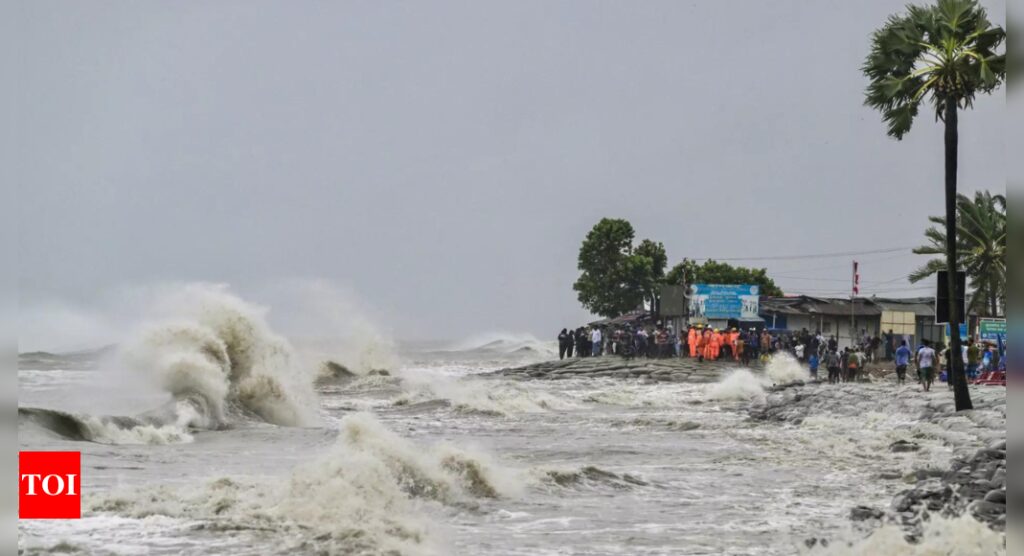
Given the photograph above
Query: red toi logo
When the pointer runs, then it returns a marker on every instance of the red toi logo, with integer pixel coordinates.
(49, 485)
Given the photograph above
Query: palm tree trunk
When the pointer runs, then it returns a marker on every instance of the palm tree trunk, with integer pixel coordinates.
(955, 365)
(993, 296)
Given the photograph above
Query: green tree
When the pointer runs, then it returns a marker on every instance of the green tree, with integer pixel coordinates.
(981, 249)
(615, 277)
(655, 261)
(714, 272)
(947, 53)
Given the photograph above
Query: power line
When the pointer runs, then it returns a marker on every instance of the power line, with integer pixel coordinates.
(846, 265)
(797, 257)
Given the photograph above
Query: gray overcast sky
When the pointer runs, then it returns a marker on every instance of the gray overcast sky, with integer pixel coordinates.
(443, 160)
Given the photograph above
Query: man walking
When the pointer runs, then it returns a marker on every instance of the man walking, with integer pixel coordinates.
(926, 365)
(902, 360)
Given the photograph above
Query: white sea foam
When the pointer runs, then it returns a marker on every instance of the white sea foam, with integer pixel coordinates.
(737, 385)
(106, 432)
(492, 396)
(743, 384)
(784, 368)
(363, 496)
(962, 536)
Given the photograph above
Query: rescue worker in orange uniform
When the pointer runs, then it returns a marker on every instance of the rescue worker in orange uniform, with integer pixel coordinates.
(706, 344)
(691, 341)
(716, 344)
(734, 339)
(740, 348)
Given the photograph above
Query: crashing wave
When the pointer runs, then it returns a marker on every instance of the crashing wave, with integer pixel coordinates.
(744, 385)
(361, 497)
(223, 353)
(109, 429)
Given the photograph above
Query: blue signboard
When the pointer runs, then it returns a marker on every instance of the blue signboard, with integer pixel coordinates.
(963, 331)
(717, 301)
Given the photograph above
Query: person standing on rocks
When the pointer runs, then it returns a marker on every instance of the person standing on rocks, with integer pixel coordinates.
(832, 364)
(926, 365)
(564, 343)
(902, 360)
(595, 342)
(844, 361)
(852, 366)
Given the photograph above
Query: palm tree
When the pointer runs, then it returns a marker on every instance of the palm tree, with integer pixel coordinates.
(946, 53)
(981, 249)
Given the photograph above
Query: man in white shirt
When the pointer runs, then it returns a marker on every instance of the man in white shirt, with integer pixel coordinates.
(595, 340)
(926, 365)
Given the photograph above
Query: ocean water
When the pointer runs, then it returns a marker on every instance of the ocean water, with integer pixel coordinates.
(211, 434)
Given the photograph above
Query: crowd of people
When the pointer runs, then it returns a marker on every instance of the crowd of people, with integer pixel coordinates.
(849, 364)
(700, 342)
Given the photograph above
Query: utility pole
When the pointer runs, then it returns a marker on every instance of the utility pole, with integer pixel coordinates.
(854, 290)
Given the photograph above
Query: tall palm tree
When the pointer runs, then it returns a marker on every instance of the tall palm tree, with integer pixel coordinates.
(981, 249)
(947, 53)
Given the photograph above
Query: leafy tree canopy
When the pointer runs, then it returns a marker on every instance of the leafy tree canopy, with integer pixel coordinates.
(714, 272)
(981, 249)
(946, 52)
(616, 277)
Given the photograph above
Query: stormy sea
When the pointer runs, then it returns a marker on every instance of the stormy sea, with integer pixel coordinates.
(210, 433)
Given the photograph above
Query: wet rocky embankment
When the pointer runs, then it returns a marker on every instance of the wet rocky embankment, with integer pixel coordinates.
(660, 370)
(975, 480)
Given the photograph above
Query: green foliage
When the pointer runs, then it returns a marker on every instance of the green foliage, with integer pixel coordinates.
(981, 249)
(655, 260)
(713, 272)
(615, 277)
(947, 52)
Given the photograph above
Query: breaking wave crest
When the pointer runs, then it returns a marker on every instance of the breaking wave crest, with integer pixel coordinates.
(362, 497)
(107, 429)
(591, 477)
(498, 343)
(220, 354)
(738, 385)
(785, 369)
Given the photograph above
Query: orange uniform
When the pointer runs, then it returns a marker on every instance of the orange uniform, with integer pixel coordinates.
(716, 344)
(706, 344)
(691, 341)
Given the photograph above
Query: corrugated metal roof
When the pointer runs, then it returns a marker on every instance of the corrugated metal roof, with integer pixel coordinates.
(920, 306)
(837, 306)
